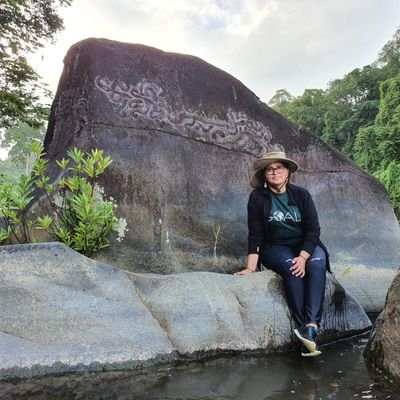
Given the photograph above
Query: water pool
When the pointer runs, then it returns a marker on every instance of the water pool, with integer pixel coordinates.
(339, 373)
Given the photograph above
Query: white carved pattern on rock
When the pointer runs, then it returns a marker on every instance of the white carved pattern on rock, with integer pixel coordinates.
(146, 101)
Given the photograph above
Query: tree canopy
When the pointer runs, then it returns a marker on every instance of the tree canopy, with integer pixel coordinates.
(18, 141)
(25, 26)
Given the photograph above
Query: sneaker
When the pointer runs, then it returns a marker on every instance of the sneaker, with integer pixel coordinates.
(307, 335)
(306, 353)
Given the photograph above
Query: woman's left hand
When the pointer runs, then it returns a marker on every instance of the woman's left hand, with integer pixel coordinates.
(299, 267)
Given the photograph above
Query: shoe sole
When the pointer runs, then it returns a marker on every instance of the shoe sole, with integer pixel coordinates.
(315, 353)
(310, 346)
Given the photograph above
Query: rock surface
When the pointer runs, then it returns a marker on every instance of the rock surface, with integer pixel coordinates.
(383, 349)
(60, 311)
(183, 136)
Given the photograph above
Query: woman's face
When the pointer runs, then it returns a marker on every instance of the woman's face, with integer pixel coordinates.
(276, 174)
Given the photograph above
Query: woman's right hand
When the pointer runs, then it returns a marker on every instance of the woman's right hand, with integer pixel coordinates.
(245, 271)
(251, 265)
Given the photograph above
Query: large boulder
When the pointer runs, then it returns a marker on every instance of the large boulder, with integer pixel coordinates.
(383, 348)
(60, 311)
(183, 135)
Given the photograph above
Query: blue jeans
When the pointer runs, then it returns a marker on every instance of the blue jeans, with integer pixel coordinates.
(305, 295)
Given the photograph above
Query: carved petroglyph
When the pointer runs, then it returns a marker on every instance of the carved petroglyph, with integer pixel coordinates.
(146, 101)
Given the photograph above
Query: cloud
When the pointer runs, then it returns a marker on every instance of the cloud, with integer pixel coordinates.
(267, 44)
(235, 16)
(305, 43)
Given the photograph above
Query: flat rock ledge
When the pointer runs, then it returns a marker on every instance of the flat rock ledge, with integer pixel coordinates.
(383, 349)
(62, 312)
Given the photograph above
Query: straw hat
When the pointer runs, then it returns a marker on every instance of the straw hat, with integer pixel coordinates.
(268, 158)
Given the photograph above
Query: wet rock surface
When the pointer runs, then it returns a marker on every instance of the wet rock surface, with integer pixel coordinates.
(183, 135)
(383, 349)
(60, 312)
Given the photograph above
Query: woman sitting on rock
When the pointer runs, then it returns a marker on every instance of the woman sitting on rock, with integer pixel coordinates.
(284, 236)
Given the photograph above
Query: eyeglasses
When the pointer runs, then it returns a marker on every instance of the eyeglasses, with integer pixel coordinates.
(272, 170)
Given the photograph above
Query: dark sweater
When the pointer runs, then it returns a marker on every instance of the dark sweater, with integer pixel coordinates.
(257, 216)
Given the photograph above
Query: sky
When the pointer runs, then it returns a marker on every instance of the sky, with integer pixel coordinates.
(266, 44)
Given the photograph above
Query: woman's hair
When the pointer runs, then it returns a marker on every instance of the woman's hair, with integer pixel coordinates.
(289, 177)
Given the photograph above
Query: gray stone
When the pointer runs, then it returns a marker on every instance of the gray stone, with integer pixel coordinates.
(60, 311)
(383, 349)
(57, 306)
(183, 135)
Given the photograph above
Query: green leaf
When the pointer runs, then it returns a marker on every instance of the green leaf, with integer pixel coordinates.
(37, 148)
(44, 222)
(75, 183)
(89, 167)
(5, 234)
(76, 155)
(63, 164)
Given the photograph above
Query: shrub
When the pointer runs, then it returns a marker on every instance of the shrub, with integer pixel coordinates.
(80, 216)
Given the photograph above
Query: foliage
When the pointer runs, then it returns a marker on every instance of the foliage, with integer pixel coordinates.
(307, 110)
(389, 57)
(353, 104)
(342, 126)
(7, 167)
(366, 148)
(337, 113)
(15, 196)
(281, 96)
(81, 218)
(18, 140)
(390, 177)
(378, 146)
(25, 25)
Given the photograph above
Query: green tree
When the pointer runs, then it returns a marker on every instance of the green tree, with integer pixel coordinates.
(378, 146)
(280, 97)
(367, 143)
(18, 140)
(341, 126)
(25, 25)
(389, 57)
(390, 177)
(388, 118)
(352, 103)
(307, 110)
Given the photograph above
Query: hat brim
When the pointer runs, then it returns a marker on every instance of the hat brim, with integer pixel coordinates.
(264, 162)
(258, 179)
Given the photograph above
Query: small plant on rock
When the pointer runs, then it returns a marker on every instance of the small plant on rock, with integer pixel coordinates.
(79, 215)
(15, 196)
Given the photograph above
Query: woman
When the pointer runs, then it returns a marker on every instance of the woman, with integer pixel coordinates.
(284, 236)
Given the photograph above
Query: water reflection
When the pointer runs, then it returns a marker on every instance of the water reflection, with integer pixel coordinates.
(340, 373)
